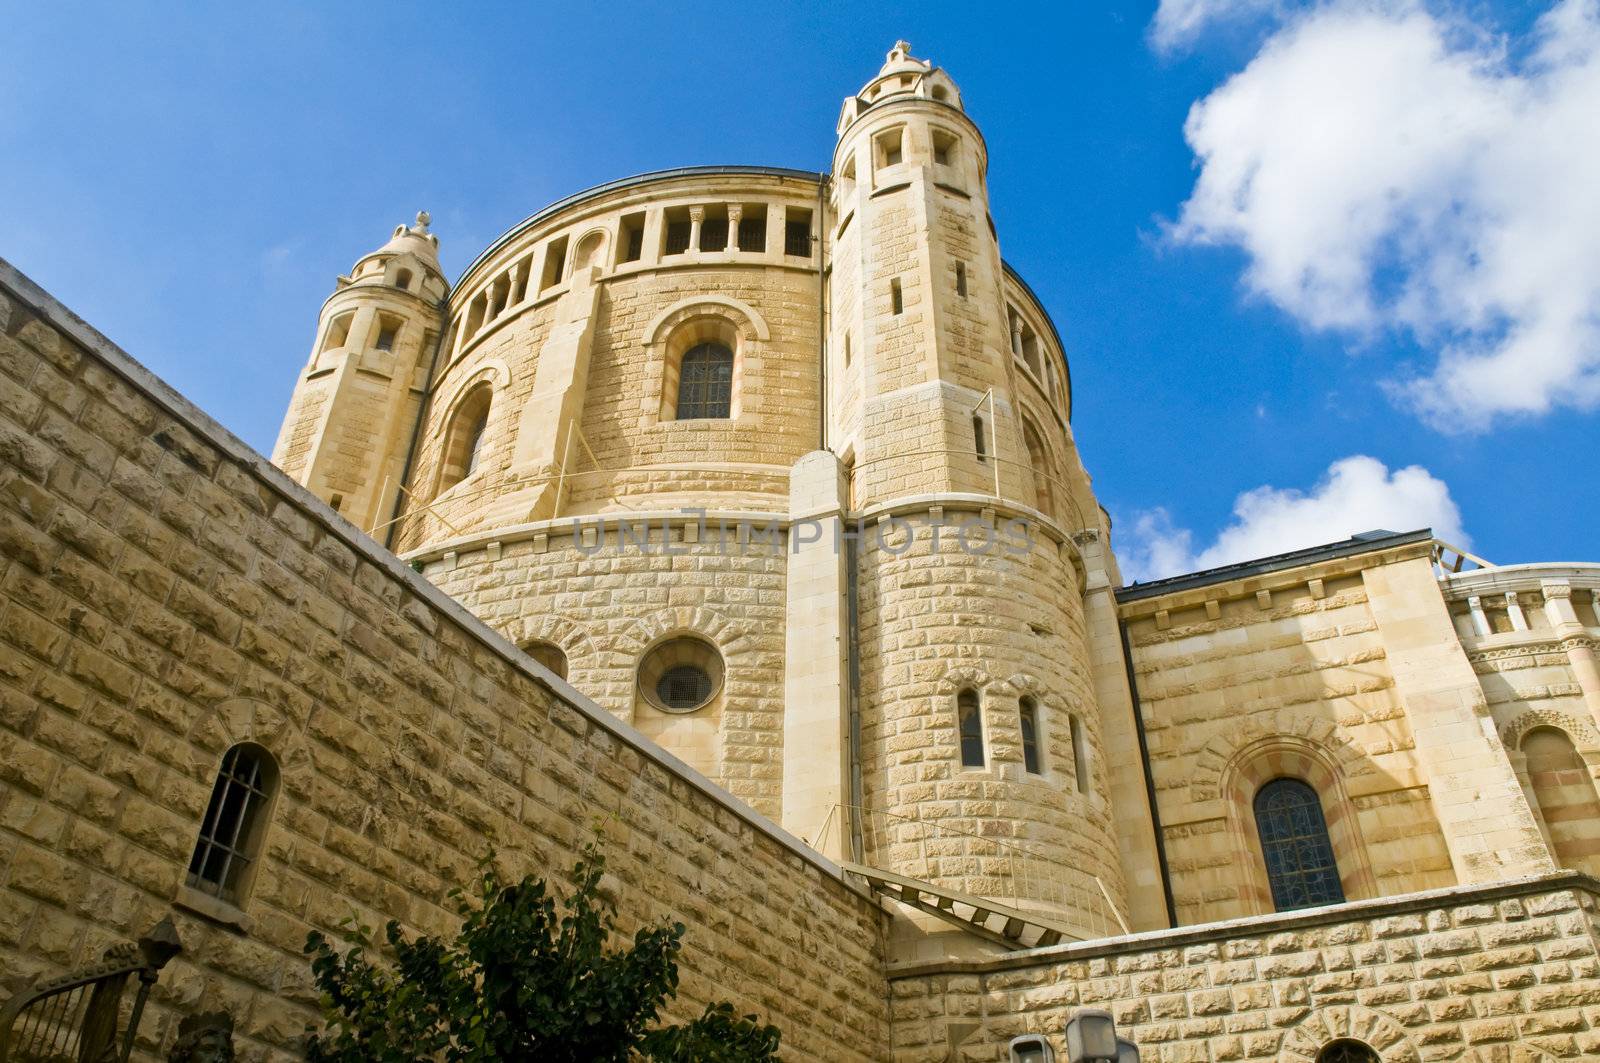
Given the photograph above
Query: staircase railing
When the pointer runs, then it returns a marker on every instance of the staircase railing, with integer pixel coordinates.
(999, 868)
(74, 1018)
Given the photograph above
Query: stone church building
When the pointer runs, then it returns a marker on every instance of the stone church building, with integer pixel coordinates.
(737, 510)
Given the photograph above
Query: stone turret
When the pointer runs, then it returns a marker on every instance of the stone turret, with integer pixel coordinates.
(355, 406)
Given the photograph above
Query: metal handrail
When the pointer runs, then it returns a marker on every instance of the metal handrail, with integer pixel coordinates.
(74, 1017)
(1031, 879)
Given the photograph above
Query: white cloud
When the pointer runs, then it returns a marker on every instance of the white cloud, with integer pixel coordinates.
(1387, 168)
(1178, 22)
(1358, 494)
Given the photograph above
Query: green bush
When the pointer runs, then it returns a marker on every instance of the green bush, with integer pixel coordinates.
(527, 978)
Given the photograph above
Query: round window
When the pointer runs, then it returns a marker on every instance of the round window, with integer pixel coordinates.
(681, 674)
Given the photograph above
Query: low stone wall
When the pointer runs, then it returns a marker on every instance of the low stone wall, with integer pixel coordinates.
(165, 593)
(1508, 972)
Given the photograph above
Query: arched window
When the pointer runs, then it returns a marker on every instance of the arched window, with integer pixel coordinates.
(969, 725)
(403, 279)
(1347, 1050)
(1028, 722)
(463, 441)
(235, 823)
(1039, 459)
(1565, 794)
(548, 654)
(705, 383)
(979, 444)
(1294, 842)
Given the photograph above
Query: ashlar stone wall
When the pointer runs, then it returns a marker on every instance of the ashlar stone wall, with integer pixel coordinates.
(165, 593)
(1501, 973)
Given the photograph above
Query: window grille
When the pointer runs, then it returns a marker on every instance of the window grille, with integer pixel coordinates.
(753, 235)
(797, 238)
(1347, 1050)
(683, 686)
(1029, 712)
(1295, 844)
(714, 234)
(969, 722)
(705, 383)
(230, 834)
(677, 237)
(635, 245)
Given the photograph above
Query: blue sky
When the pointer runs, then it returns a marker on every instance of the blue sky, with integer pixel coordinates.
(192, 180)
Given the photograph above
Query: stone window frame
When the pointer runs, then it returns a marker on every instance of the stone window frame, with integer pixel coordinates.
(1044, 494)
(684, 326)
(450, 472)
(1289, 756)
(246, 841)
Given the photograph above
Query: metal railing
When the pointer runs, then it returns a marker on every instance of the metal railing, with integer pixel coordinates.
(991, 866)
(74, 1018)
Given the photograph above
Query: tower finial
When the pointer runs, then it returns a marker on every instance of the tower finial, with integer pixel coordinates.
(423, 218)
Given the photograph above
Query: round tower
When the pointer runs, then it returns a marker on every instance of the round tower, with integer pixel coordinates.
(980, 739)
(347, 433)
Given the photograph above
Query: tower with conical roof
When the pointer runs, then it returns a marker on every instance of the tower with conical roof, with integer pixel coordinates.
(347, 433)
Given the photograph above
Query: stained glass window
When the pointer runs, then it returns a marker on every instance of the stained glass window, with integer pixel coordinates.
(1294, 841)
(705, 382)
(1347, 1050)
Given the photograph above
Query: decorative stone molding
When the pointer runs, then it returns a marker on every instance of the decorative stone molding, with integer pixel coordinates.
(1227, 749)
(244, 720)
(962, 678)
(556, 630)
(744, 317)
(1581, 732)
(1308, 1037)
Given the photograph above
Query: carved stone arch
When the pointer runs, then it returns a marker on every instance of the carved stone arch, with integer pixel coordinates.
(1581, 732)
(743, 315)
(245, 720)
(1317, 757)
(963, 677)
(1318, 1028)
(494, 371)
(703, 319)
(1207, 778)
(731, 640)
(559, 631)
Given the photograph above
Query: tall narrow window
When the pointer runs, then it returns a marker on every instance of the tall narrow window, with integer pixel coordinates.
(463, 440)
(753, 228)
(714, 229)
(847, 349)
(678, 229)
(1028, 713)
(555, 263)
(961, 279)
(797, 232)
(403, 279)
(890, 146)
(338, 332)
(705, 383)
(1080, 753)
(969, 723)
(235, 822)
(980, 445)
(1295, 844)
(632, 242)
(896, 300)
(388, 329)
(1039, 459)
